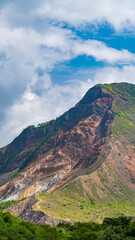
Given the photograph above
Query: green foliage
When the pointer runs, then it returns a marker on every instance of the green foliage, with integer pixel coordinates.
(119, 228)
(31, 127)
(108, 87)
(123, 108)
(13, 228)
(4, 205)
(46, 123)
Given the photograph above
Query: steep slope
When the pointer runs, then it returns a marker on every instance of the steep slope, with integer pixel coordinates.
(108, 188)
(107, 191)
(88, 153)
(59, 150)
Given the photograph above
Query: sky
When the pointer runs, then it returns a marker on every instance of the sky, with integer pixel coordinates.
(53, 51)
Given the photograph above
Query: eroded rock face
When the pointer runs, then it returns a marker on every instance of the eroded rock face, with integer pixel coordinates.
(40, 217)
(51, 155)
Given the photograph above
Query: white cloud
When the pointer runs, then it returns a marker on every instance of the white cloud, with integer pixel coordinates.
(31, 45)
(24, 50)
(101, 52)
(33, 109)
(121, 14)
(115, 74)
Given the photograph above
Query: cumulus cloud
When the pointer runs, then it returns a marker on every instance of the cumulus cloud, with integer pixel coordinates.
(115, 74)
(101, 52)
(22, 53)
(33, 41)
(33, 109)
(24, 50)
(121, 14)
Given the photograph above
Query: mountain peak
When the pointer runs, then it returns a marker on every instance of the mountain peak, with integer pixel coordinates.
(94, 93)
(84, 138)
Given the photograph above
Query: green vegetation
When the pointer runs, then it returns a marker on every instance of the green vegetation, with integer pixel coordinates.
(90, 197)
(13, 228)
(31, 127)
(46, 123)
(75, 203)
(124, 111)
(126, 88)
(4, 205)
(108, 87)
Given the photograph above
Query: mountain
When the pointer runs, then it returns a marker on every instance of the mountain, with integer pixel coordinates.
(87, 156)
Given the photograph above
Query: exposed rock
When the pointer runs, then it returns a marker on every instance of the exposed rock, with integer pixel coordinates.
(39, 217)
(28, 206)
(53, 154)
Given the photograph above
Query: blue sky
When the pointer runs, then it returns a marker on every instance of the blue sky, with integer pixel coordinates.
(53, 51)
(103, 32)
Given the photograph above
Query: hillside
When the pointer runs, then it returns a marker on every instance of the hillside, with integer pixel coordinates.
(106, 189)
(59, 150)
(87, 156)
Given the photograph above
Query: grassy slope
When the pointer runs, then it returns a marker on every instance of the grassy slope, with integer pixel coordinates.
(124, 111)
(104, 192)
(91, 197)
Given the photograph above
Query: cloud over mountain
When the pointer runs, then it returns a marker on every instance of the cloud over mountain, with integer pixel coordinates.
(36, 38)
